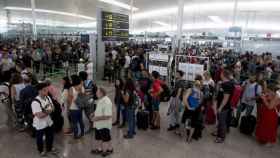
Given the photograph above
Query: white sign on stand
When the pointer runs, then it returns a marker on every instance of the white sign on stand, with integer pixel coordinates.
(191, 70)
(159, 57)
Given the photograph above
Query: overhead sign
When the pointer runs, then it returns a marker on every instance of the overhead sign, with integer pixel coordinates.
(115, 26)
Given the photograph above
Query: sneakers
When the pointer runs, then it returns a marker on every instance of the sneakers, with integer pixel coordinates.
(43, 154)
(53, 151)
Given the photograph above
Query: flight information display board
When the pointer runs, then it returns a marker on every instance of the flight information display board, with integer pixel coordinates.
(115, 26)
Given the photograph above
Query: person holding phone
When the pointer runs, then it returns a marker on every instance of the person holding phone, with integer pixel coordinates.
(42, 107)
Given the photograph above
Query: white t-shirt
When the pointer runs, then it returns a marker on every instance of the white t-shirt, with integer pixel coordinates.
(104, 108)
(209, 82)
(41, 123)
(251, 90)
(127, 61)
(114, 53)
(73, 105)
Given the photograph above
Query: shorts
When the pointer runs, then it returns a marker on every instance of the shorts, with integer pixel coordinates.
(155, 104)
(189, 115)
(103, 135)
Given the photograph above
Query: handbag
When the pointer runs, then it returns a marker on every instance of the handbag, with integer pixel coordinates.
(83, 100)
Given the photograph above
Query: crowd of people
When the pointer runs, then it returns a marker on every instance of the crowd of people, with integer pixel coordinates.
(233, 85)
(43, 55)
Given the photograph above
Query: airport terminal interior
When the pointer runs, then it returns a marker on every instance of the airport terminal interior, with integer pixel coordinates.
(139, 78)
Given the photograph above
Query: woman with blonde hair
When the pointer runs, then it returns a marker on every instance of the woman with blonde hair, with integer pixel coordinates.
(191, 100)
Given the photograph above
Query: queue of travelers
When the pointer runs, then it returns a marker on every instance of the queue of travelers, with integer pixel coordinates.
(240, 91)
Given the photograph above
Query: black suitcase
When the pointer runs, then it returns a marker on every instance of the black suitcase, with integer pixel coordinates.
(248, 124)
(142, 120)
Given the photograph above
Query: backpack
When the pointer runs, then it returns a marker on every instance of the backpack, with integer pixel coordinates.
(4, 98)
(91, 88)
(56, 115)
(235, 98)
(165, 94)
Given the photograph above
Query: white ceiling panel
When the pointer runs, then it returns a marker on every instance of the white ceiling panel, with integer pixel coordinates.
(197, 12)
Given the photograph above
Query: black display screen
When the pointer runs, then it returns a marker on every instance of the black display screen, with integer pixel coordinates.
(115, 26)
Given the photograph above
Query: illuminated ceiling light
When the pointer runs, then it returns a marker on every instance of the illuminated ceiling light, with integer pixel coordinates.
(119, 4)
(155, 13)
(50, 12)
(213, 6)
(216, 19)
(161, 23)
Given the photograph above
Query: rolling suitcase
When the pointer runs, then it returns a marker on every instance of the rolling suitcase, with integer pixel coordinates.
(248, 124)
(142, 120)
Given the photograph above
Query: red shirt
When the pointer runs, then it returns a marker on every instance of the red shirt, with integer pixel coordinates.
(156, 87)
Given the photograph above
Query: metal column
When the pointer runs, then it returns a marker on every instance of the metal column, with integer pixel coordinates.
(33, 6)
(180, 18)
(100, 54)
(234, 12)
(131, 16)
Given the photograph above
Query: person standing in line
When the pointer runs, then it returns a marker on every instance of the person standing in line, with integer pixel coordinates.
(267, 124)
(42, 107)
(102, 119)
(27, 95)
(76, 114)
(155, 91)
(127, 64)
(252, 90)
(223, 105)
(129, 97)
(90, 90)
(17, 86)
(119, 87)
(176, 101)
(65, 91)
(192, 98)
(37, 57)
(145, 84)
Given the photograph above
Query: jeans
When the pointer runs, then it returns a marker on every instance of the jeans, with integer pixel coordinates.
(249, 109)
(136, 75)
(77, 120)
(48, 132)
(223, 123)
(121, 111)
(131, 121)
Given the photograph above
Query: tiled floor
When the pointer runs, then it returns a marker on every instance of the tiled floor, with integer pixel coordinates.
(147, 144)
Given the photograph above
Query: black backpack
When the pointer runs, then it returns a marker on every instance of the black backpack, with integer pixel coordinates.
(165, 94)
(248, 124)
(56, 115)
